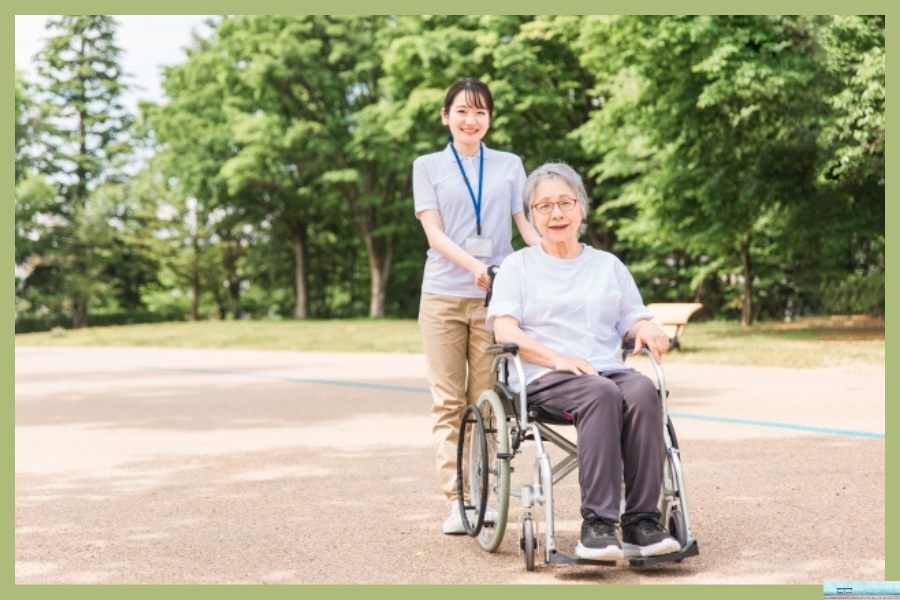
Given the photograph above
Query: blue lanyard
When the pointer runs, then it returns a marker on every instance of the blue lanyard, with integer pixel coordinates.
(476, 202)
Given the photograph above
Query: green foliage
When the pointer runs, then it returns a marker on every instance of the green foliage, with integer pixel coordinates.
(716, 173)
(82, 85)
(26, 126)
(733, 160)
(47, 323)
(858, 293)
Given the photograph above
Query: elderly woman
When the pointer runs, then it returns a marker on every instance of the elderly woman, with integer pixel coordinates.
(568, 306)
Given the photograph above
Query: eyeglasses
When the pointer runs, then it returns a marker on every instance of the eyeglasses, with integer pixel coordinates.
(545, 208)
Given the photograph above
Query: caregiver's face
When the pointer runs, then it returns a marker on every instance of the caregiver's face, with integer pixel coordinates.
(468, 118)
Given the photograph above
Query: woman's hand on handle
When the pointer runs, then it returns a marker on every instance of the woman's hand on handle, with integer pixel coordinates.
(482, 278)
(647, 333)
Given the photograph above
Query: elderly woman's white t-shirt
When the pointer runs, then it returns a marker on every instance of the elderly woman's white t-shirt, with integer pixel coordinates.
(580, 307)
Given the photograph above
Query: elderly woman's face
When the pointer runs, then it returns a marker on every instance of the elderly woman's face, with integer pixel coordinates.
(556, 210)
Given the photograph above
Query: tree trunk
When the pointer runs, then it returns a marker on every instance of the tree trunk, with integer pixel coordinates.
(747, 305)
(234, 294)
(379, 255)
(195, 278)
(221, 308)
(79, 313)
(379, 271)
(231, 254)
(298, 237)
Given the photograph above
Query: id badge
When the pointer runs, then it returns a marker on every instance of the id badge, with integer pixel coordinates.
(479, 247)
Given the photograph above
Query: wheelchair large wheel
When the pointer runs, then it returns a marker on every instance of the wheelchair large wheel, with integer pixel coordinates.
(496, 492)
(472, 470)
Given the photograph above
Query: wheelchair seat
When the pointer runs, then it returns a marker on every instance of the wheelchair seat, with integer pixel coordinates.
(551, 416)
(544, 414)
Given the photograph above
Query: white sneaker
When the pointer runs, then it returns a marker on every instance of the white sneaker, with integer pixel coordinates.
(453, 524)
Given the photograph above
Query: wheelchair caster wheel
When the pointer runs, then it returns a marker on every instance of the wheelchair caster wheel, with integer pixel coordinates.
(528, 543)
(678, 527)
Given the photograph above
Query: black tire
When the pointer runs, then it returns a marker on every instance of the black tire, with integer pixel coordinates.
(528, 543)
(496, 436)
(471, 460)
(672, 435)
(677, 527)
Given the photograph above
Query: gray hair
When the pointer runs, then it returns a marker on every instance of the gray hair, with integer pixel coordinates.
(564, 173)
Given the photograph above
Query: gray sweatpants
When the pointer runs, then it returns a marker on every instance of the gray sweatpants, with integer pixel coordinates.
(618, 418)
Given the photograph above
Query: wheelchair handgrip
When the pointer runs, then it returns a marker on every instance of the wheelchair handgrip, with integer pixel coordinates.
(628, 346)
(503, 348)
(492, 272)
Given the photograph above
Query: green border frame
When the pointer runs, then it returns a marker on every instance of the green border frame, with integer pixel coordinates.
(7, 344)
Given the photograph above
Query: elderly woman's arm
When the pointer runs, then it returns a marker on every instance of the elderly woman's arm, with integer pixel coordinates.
(647, 333)
(507, 331)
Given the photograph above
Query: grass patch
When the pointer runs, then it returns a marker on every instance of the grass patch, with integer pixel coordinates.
(806, 343)
(346, 335)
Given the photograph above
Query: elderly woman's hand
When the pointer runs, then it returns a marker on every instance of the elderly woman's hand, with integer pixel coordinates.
(647, 333)
(578, 366)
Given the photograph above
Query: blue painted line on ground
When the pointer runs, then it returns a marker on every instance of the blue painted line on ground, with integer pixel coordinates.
(272, 377)
(424, 390)
(823, 430)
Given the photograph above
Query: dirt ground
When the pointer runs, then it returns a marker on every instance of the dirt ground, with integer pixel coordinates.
(138, 465)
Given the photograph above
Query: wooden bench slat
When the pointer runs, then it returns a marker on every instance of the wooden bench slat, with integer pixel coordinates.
(673, 316)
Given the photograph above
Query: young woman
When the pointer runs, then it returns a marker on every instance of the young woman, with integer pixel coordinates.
(466, 197)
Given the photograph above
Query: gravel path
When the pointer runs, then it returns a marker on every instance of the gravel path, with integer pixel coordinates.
(138, 465)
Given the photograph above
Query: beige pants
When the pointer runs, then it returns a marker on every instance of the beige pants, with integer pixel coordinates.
(459, 369)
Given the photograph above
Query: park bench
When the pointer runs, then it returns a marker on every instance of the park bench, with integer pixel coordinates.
(672, 317)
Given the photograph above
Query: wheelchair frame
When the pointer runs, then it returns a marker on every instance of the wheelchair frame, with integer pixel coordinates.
(491, 435)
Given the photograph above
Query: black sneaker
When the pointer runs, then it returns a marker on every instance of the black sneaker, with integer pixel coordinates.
(646, 537)
(598, 540)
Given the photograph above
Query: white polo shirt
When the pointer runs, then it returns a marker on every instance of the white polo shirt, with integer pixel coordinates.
(438, 184)
(580, 307)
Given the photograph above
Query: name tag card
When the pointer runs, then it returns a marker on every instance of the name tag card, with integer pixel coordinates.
(479, 247)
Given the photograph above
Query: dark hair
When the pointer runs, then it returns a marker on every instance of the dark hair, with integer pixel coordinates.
(477, 92)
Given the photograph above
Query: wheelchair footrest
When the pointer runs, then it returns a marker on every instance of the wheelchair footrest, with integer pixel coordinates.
(558, 558)
(692, 549)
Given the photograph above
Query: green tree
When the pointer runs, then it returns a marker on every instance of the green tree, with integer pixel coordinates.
(82, 87)
(194, 140)
(852, 177)
(83, 143)
(297, 82)
(729, 109)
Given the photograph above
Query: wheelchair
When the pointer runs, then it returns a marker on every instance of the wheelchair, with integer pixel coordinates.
(493, 432)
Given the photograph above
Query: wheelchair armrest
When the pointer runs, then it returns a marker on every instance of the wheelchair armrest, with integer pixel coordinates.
(503, 349)
(628, 346)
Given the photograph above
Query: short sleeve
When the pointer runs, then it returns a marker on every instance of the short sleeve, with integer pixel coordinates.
(632, 307)
(506, 298)
(517, 202)
(424, 195)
